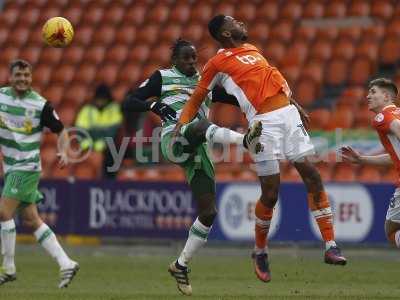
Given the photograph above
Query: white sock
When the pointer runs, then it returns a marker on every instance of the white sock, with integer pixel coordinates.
(8, 236)
(216, 134)
(198, 234)
(397, 238)
(48, 240)
(330, 244)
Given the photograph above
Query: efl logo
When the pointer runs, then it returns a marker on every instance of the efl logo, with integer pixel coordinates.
(352, 208)
(236, 212)
(248, 59)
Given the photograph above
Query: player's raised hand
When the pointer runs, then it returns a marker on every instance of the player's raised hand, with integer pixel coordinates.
(350, 155)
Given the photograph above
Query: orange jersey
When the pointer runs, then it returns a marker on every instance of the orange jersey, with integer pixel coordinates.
(389, 141)
(247, 75)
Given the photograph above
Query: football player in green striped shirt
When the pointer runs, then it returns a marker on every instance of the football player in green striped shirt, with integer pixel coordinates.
(171, 88)
(23, 115)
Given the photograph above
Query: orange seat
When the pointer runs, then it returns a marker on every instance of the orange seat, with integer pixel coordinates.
(344, 48)
(341, 118)
(321, 50)
(297, 53)
(180, 14)
(135, 14)
(76, 94)
(73, 14)
(246, 12)
(50, 56)
(30, 54)
(4, 75)
(107, 74)
(393, 28)
(329, 34)
(158, 14)
(344, 172)
(274, 52)
(47, 13)
(320, 118)
(161, 55)
(259, 32)
(125, 35)
(382, 9)
(64, 74)
(92, 14)
(369, 174)
(147, 35)
(336, 72)
(8, 54)
(85, 73)
(359, 8)
(139, 53)
(314, 69)
(193, 32)
(129, 74)
(67, 115)
(361, 70)
(201, 12)
(41, 75)
(119, 91)
(353, 33)
(117, 54)
(313, 9)
(268, 11)
(291, 10)
(305, 33)
(104, 35)
(282, 31)
(390, 175)
(10, 15)
(54, 94)
(73, 54)
(3, 34)
(83, 35)
(94, 54)
(306, 91)
(18, 37)
(352, 97)
(336, 9)
(368, 49)
(113, 15)
(225, 8)
(373, 33)
(171, 33)
(291, 73)
(389, 52)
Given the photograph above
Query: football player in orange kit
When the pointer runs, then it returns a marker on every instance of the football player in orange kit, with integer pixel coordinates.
(381, 97)
(264, 95)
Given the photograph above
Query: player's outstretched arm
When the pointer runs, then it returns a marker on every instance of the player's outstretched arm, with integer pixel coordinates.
(351, 155)
(305, 118)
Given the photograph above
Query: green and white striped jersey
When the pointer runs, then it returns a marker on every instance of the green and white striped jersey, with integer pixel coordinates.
(176, 89)
(20, 130)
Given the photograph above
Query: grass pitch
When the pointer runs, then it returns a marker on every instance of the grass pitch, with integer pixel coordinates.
(112, 273)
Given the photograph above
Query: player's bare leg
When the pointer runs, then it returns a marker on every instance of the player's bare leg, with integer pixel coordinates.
(8, 237)
(320, 207)
(48, 240)
(264, 211)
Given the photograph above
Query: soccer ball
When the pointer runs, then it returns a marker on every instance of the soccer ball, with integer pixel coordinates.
(57, 32)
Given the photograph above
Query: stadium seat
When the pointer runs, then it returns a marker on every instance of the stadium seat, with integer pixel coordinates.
(138, 53)
(259, 31)
(54, 94)
(180, 14)
(344, 172)
(73, 14)
(321, 50)
(9, 16)
(4, 74)
(117, 54)
(368, 49)
(28, 17)
(83, 35)
(113, 15)
(313, 9)
(67, 114)
(358, 8)
(47, 13)
(297, 53)
(85, 73)
(201, 12)
(224, 8)
(306, 91)
(76, 94)
(30, 54)
(42, 75)
(320, 118)
(64, 74)
(314, 69)
(92, 15)
(328, 34)
(129, 74)
(335, 9)
(336, 72)
(3, 34)
(393, 28)
(282, 31)
(104, 35)
(125, 35)
(344, 48)
(147, 35)
(360, 71)
(193, 32)
(246, 12)
(369, 174)
(73, 54)
(274, 51)
(352, 97)
(341, 118)
(363, 117)
(50, 56)
(305, 33)
(94, 55)
(8, 54)
(158, 14)
(135, 14)
(389, 52)
(291, 73)
(382, 9)
(162, 54)
(107, 74)
(373, 33)
(171, 32)
(268, 11)
(119, 91)
(291, 10)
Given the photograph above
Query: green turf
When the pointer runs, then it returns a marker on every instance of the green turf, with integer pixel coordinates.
(219, 273)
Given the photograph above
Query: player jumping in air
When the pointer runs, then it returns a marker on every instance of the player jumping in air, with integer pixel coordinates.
(381, 97)
(23, 115)
(264, 96)
(171, 88)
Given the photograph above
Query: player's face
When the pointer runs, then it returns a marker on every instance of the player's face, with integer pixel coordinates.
(377, 99)
(237, 29)
(186, 60)
(21, 79)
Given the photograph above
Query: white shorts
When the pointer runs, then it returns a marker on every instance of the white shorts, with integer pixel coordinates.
(393, 212)
(283, 136)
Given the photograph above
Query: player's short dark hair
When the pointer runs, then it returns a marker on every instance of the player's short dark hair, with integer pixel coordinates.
(20, 63)
(215, 25)
(178, 45)
(386, 84)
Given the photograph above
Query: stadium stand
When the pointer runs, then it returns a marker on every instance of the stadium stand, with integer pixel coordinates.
(121, 42)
